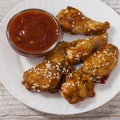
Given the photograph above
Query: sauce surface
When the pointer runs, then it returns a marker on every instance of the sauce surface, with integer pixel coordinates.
(33, 30)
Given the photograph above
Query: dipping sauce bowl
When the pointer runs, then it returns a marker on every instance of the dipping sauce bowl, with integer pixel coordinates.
(33, 32)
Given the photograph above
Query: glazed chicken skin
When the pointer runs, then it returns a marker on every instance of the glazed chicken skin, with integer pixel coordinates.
(79, 84)
(76, 88)
(47, 76)
(99, 65)
(79, 50)
(75, 22)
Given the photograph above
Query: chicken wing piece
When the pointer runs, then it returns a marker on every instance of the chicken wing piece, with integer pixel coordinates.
(48, 75)
(74, 89)
(75, 22)
(99, 65)
(79, 84)
(79, 50)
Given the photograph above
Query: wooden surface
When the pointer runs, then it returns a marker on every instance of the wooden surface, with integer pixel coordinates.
(12, 109)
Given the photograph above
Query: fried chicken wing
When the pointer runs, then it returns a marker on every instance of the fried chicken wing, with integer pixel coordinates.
(74, 89)
(47, 76)
(79, 50)
(80, 83)
(99, 65)
(75, 22)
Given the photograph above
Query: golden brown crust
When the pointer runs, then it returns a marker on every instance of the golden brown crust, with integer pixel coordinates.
(79, 50)
(48, 75)
(42, 78)
(75, 89)
(73, 21)
(80, 83)
(102, 62)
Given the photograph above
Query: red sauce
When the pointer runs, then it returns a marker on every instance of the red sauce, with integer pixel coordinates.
(33, 30)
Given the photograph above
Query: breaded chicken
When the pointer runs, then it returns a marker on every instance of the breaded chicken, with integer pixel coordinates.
(99, 65)
(79, 84)
(48, 75)
(79, 50)
(74, 89)
(75, 22)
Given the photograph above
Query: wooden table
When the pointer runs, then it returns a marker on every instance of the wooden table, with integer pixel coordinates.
(12, 109)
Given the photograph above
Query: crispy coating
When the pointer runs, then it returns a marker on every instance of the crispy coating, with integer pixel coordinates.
(74, 89)
(80, 83)
(48, 75)
(101, 63)
(79, 50)
(75, 22)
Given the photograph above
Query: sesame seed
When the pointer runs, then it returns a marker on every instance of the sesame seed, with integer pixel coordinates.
(33, 87)
(87, 39)
(77, 83)
(94, 54)
(94, 70)
(38, 90)
(83, 42)
(49, 80)
(73, 26)
(78, 13)
(99, 26)
(83, 18)
(70, 75)
(98, 77)
(81, 27)
(56, 30)
(59, 63)
(105, 37)
(73, 22)
(88, 29)
(86, 67)
(95, 66)
(107, 63)
(103, 65)
(36, 84)
(99, 66)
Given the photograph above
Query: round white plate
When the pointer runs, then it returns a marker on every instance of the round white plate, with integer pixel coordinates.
(13, 65)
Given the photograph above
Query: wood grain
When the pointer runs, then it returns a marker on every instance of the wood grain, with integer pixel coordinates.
(12, 109)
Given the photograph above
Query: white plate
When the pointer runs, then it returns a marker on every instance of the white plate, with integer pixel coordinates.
(13, 65)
